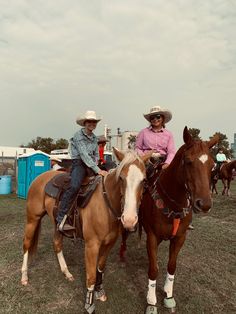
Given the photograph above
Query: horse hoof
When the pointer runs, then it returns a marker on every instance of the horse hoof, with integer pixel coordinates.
(103, 298)
(71, 278)
(24, 282)
(100, 295)
(151, 309)
(170, 304)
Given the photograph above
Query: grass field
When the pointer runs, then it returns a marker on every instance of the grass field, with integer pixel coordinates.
(205, 277)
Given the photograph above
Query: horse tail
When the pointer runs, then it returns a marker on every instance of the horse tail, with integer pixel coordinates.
(34, 240)
(35, 213)
(140, 229)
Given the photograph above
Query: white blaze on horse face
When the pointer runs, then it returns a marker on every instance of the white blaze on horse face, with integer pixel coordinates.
(203, 158)
(130, 215)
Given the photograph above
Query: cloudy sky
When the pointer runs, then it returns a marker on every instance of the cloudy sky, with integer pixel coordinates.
(59, 58)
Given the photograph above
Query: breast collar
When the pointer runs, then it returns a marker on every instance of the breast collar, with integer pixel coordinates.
(159, 203)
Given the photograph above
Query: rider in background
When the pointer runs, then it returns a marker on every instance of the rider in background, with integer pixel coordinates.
(220, 159)
(101, 146)
(55, 163)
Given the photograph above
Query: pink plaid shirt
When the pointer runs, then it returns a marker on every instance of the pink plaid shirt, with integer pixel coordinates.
(160, 142)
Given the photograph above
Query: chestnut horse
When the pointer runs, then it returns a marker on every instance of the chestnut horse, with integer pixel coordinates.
(166, 208)
(226, 175)
(116, 198)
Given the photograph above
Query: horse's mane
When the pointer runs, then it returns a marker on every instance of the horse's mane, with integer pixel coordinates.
(130, 157)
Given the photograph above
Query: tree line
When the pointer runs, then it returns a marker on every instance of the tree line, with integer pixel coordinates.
(47, 144)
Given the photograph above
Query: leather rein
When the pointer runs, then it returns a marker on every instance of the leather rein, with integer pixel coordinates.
(176, 216)
(108, 203)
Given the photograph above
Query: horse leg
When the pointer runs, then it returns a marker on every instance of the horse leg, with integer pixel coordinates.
(91, 256)
(103, 254)
(123, 246)
(225, 187)
(30, 242)
(58, 246)
(215, 188)
(228, 187)
(175, 246)
(152, 244)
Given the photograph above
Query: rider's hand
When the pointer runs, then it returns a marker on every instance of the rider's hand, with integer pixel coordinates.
(164, 166)
(102, 173)
(156, 155)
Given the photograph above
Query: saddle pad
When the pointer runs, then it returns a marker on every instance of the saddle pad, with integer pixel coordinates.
(56, 185)
(84, 194)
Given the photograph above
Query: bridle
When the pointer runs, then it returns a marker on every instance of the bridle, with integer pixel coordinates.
(117, 213)
(157, 184)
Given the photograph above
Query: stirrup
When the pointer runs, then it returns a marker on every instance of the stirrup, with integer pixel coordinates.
(60, 226)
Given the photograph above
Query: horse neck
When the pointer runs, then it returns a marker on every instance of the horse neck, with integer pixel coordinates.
(232, 165)
(112, 187)
(172, 184)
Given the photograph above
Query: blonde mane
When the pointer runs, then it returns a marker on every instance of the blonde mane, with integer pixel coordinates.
(130, 157)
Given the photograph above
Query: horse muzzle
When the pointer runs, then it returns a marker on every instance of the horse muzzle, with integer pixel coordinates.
(201, 205)
(129, 223)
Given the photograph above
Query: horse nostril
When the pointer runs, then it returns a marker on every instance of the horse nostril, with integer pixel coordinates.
(198, 204)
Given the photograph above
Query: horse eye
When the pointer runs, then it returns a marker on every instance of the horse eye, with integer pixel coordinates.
(187, 161)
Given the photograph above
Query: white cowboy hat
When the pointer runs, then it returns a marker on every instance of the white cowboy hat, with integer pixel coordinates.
(89, 115)
(55, 159)
(158, 110)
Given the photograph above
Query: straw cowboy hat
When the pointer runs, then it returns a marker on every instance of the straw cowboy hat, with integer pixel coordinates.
(89, 115)
(158, 110)
(102, 139)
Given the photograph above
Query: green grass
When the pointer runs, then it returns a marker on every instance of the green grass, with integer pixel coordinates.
(205, 276)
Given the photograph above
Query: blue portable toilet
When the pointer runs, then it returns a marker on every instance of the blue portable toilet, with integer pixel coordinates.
(29, 167)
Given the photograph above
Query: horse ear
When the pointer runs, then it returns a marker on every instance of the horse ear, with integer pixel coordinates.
(147, 156)
(187, 136)
(214, 140)
(119, 155)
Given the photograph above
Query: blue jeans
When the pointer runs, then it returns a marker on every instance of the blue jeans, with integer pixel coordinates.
(78, 172)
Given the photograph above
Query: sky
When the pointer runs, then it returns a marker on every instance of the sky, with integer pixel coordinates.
(59, 58)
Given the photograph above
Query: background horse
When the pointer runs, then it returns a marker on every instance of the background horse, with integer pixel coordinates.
(226, 175)
(116, 198)
(166, 208)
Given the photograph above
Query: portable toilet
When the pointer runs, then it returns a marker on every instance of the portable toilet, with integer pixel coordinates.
(29, 167)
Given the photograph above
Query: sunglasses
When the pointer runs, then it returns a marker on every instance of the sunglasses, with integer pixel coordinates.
(91, 121)
(156, 116)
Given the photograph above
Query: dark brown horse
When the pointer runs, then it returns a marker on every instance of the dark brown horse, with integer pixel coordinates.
(115, 200)
(166, 208)
(226, 175)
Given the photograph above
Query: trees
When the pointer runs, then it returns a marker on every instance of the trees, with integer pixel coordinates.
(47, 144)
(131, 141)
(224, 144)
(195, 133)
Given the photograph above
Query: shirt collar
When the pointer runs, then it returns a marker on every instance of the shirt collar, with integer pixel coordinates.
(151, 129)
(85, 134)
